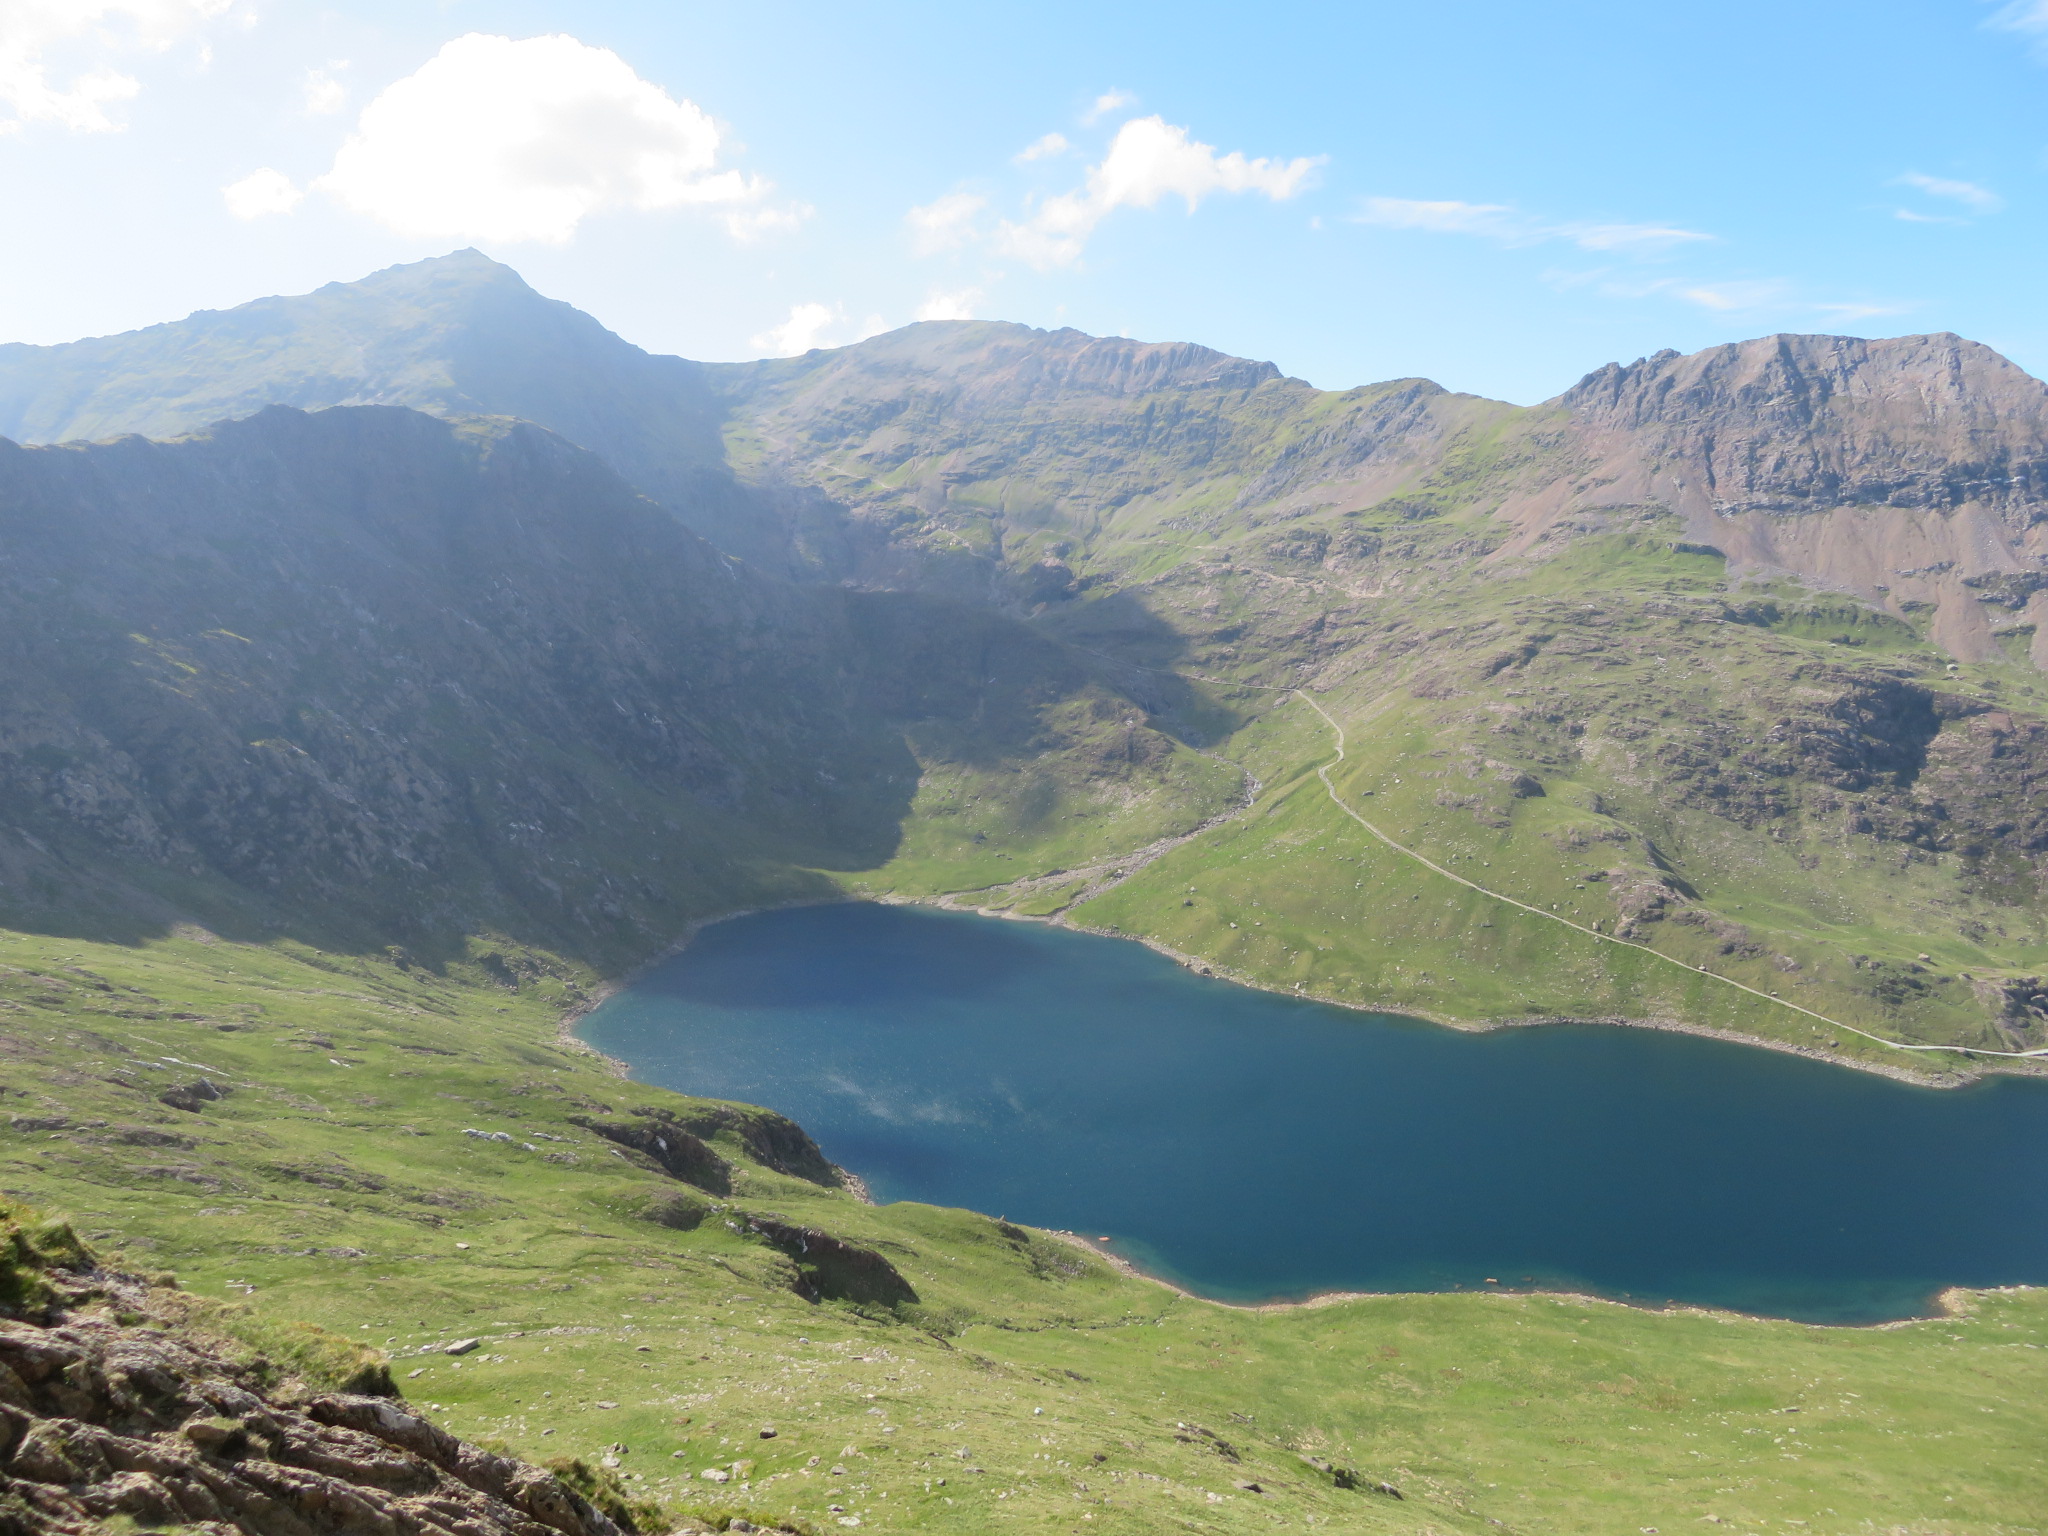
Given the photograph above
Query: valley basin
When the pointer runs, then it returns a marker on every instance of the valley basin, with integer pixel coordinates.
(1253, 1147)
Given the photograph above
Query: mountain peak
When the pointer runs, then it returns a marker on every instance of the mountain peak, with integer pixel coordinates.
(1933, 377)
(468, 267)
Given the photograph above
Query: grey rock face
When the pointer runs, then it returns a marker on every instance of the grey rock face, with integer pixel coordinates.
(103, 1421)
(1790, 423)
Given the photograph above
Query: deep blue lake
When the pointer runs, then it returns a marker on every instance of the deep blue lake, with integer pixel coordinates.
(1251, 1146)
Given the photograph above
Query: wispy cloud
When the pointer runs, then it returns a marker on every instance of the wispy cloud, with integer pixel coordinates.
(1042, 149)
(1510, 226)
(2027, 16)
(1149, 160)
(1754, 293)
(803, 330)
(1968, 193)
(321, 92)
(32, 32)
(945, 223)
(261, 193)
(949, 304)
(1106, 103)
(1750, 296)
(1779, 295)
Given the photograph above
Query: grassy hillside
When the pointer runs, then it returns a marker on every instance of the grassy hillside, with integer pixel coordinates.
(654, 1327)
(1707, 780)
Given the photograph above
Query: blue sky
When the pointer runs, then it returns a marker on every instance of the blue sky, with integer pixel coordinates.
(1499, 196)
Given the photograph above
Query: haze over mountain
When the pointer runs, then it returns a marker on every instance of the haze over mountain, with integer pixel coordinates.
(950, 453)
(982, 570)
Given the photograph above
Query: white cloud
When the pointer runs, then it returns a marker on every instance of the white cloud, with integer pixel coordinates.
(32, 30)
(1149, 160)
(1775, 293)
(945, 223)
(1443, 218)
(2022, 16)
(1498, 221)
(1968, 193)
(260, 193)
(1753, 294)
(493, 139)
(1858, 311)
(801, 332)
(1115, 101)
(1910, 217)
(1042, 148)
(323, 93)
(1628, 237)
(955, 304)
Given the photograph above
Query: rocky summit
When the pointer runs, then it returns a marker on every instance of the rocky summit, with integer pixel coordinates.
(391, 670)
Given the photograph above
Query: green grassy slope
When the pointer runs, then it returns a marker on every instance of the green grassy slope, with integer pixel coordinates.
(333, 1183)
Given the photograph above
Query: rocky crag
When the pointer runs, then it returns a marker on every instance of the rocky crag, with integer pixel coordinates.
(121, 1409)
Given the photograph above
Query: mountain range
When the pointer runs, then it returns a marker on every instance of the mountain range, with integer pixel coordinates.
(386, 671)
(432, 600)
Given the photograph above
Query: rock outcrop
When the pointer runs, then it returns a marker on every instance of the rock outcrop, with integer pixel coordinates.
(118, 1411)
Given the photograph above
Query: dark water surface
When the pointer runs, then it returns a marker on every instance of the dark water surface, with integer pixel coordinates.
(1252, 1146)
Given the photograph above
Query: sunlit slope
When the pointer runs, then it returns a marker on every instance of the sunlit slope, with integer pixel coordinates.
(327, 1171)
(1786, 789)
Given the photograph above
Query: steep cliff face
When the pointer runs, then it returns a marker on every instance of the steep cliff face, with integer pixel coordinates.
(448, 675)
(1912, 471)
(1789, 424)
(370, 651)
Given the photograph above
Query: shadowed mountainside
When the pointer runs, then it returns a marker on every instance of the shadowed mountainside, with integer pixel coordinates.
(434, 677)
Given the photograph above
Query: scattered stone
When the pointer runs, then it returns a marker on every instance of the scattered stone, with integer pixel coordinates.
(461, 1346)
(189, 1096)
(715, 1475)
(767, 1433)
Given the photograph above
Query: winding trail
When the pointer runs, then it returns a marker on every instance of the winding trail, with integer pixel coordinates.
(1337, 800)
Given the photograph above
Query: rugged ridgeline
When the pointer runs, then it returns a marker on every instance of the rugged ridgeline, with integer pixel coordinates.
(370, 678)
(1730, 656)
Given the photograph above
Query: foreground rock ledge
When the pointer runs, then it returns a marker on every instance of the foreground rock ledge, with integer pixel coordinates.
(108, 1409)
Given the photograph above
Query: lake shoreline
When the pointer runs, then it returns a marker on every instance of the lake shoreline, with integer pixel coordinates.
(1900, 1308)
(1951, 1301)
(599, 994)
(1200, 967)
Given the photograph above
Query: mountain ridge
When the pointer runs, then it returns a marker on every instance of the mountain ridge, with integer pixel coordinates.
(871, 464)
(1031, 570)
